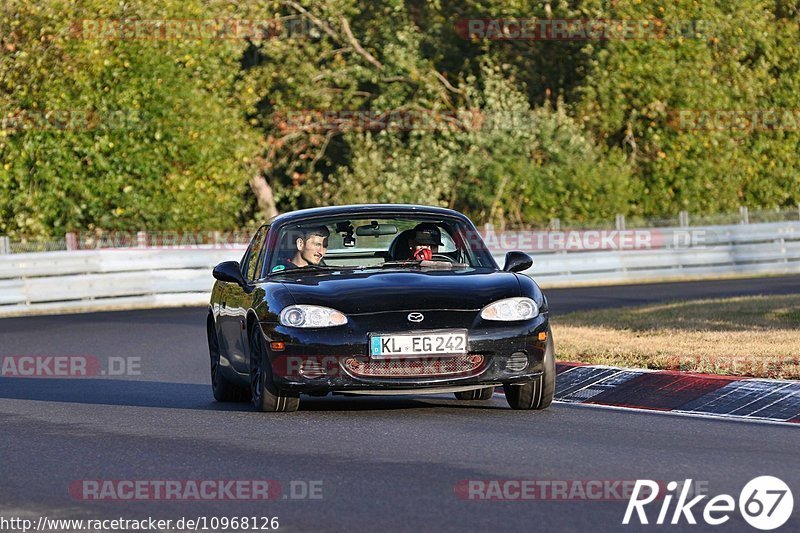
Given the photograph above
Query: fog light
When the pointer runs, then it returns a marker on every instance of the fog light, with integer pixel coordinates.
(475, 359)
(517, 362)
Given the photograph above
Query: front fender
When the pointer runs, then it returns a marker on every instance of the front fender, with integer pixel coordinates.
(528, 287)
(269, 299)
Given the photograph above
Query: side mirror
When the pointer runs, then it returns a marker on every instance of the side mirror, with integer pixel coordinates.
(517, 262)
(229, 271)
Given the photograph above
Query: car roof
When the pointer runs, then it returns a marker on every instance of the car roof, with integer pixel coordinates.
(365, 209)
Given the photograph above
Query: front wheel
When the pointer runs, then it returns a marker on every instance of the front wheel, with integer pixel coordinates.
(476, 394)
(265, 395)
(536, 394)
(223, 389)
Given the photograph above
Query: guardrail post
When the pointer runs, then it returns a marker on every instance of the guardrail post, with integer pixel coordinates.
(745, 214)
(5, 245)
(620, 222)
(683, 219)
(71, 241)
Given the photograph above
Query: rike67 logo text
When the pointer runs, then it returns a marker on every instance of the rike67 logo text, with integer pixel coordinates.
(765, 503)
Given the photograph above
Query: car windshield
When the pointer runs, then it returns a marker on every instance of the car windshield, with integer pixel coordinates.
(379, 242)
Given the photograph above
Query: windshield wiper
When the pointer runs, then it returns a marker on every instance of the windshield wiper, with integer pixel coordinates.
(442, 265)
(410, 262)
(320, 267)
(310, 267)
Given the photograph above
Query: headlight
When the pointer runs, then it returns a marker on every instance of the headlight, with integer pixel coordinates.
(511, 309)
(311, 316)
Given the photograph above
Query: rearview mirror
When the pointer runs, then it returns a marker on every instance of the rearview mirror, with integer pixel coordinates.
(517, 262)
(230, 272)
(376, 230)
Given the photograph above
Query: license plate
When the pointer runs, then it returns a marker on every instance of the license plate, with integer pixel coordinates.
(451, 342)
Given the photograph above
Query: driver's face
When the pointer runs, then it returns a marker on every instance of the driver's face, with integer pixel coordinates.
(313, 249)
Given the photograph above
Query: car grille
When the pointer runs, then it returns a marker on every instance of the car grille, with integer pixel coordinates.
(443, 366)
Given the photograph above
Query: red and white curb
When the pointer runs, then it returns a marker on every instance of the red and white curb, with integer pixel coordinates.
(679, 392)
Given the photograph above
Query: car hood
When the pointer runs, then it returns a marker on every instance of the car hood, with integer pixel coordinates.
(370, 292)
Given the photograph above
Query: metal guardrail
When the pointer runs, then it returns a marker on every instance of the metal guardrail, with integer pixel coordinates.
(753, 249)
(107, 279)
(133, 277)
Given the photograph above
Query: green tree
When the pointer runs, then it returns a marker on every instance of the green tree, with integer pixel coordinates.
(165, 144)
(739, 58)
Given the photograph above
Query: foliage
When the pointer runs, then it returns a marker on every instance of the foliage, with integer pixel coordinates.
(525, 131)
(162, 147)
(740, 58)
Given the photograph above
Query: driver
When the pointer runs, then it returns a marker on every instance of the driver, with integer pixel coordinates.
(425, 241)
(310, 247)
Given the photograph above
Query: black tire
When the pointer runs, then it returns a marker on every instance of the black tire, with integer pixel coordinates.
(223, 389)
(536, 394)
(477, 394)
(266, 397)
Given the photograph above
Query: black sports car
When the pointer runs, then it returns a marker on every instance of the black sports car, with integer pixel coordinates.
(377, 299)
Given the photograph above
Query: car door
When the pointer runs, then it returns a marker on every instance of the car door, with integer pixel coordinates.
(237, 302)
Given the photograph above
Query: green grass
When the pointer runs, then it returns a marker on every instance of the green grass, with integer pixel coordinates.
(751, 336)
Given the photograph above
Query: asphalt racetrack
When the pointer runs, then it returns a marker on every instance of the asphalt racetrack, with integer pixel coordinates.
(351, 463)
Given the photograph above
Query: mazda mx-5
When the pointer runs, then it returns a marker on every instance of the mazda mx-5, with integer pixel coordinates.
(377, 299)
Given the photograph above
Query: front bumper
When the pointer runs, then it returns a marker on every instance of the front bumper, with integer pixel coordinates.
(323, 360)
